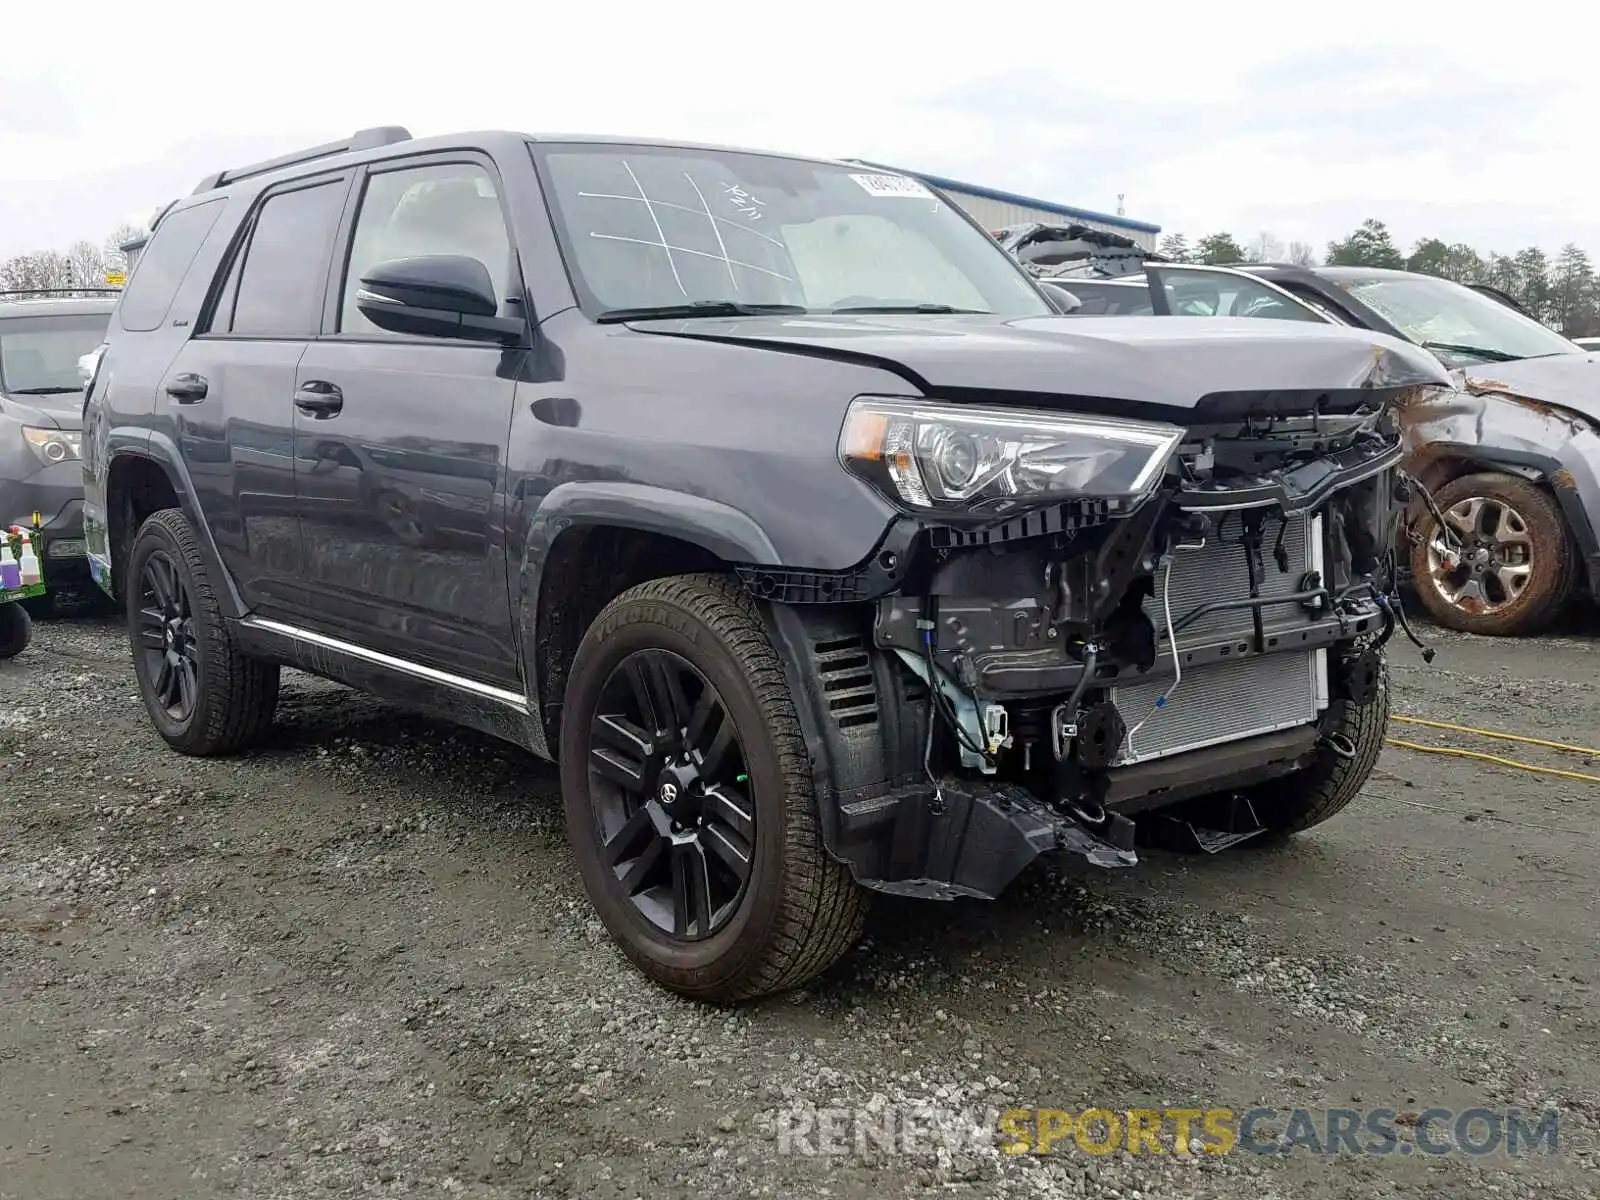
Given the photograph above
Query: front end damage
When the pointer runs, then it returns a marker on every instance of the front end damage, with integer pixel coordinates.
(1109, 671)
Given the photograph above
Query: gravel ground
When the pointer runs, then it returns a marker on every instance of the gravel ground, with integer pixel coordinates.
(359, 963)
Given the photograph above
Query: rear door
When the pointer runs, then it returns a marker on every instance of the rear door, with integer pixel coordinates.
(400, 441)
(230, 392)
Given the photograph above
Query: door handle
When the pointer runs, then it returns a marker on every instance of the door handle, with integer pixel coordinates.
(187, 388)
(318, 398)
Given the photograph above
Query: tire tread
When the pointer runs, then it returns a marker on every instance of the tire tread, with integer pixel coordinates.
(243, 691)
(1315, 793)
(822, 910)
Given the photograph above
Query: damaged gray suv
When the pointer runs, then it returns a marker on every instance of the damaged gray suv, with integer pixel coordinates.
(770, 497)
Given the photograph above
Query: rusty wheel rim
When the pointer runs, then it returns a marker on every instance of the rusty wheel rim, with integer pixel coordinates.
(1494, 561)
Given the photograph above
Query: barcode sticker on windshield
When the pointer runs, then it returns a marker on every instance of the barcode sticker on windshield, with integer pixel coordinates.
(892, 185)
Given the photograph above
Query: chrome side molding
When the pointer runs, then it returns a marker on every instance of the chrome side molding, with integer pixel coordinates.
(400, 666)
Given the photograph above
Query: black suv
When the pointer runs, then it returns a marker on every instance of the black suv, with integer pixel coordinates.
(43, 335)
(770, 497)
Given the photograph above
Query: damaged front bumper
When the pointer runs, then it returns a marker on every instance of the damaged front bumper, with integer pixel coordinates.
(1064, 680)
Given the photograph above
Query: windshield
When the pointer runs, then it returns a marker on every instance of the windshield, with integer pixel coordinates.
(39, 355)
(1460, 324)
(664, 227)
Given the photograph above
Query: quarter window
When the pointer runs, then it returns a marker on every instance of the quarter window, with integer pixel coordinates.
(163, 264)
(447, 208)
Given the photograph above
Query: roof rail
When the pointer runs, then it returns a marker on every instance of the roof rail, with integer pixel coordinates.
(64, 291)
(362, 139)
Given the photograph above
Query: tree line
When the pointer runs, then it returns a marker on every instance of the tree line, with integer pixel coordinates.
(1563, 292)
(84, 267)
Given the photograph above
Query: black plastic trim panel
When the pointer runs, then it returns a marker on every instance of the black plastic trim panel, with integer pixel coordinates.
(1070, 518)
(1298, 489)
(876, 575)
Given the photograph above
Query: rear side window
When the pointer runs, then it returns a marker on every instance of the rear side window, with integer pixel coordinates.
(279, 289)
(163, 264)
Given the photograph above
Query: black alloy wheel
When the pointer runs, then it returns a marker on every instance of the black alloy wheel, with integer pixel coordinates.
(169, 655)
(670, 792)
(688, 790)
(205, 696)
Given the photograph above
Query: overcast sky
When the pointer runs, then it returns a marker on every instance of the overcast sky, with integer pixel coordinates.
(1470, 123)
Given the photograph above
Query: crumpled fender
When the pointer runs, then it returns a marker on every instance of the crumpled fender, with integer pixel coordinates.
(1502, 430)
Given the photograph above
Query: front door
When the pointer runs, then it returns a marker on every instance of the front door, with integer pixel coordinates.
(400, 443)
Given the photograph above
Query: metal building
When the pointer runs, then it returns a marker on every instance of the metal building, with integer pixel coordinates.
(994, 209)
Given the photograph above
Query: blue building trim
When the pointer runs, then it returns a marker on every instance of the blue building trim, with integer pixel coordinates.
(988, 193)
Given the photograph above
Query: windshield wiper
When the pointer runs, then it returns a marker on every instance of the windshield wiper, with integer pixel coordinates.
(698, 308)
(907, 308)
(1480, 351)
(43, 391)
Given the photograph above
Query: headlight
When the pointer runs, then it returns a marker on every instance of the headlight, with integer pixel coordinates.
(994, 461)
(54, 445)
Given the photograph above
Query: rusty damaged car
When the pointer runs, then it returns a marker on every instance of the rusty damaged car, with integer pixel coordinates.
(1505, 528)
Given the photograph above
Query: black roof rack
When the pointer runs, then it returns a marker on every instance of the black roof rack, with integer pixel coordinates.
(64, 291)
(362, 139)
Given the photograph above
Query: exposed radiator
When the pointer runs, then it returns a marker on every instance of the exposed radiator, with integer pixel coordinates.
(1220, 570)
(1228, 700)
(1219, 703)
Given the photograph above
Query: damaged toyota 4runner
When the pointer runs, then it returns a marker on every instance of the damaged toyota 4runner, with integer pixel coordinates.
(770, 497)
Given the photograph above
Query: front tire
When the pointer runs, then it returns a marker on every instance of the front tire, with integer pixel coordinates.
(1353, 737)
(689, 800)
(203, 695)
(1517, 567)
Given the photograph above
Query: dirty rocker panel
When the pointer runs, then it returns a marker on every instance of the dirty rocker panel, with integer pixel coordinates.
(484, 707)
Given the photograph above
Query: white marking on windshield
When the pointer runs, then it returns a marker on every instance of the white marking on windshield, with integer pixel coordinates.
(671, 250)
(656, 221)
(733, 279)
(686, 208)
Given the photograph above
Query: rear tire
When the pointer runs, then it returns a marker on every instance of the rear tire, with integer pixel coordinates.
(1530, 515)
(1293, 803)
(204, 696)
(794, 910)
(16, 630)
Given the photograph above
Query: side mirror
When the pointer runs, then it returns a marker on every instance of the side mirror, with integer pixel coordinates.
(438, 295)
(1063, 301)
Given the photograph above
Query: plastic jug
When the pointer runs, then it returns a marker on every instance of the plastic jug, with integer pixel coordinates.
(28, 567)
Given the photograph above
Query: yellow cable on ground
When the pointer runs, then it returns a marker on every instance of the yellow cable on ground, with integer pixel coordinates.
(1504, 737)
(1492, 758)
